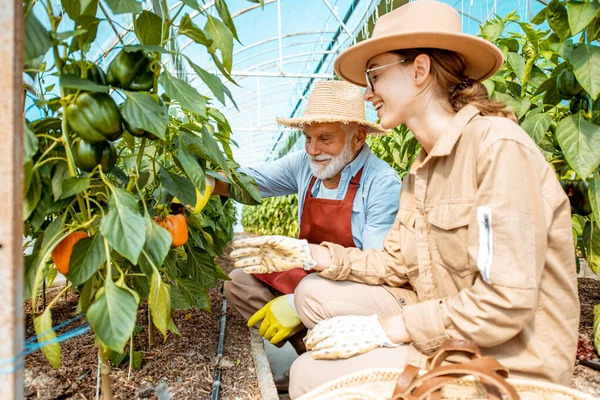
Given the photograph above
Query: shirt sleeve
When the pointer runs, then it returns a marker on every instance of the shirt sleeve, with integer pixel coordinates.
(279, 177)
(381, 210)
(370, 266)
(509, 249)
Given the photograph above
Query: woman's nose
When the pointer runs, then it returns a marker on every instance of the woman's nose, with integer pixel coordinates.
(368, 94)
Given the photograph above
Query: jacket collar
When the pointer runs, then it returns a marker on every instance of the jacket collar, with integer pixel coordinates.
(448, 140)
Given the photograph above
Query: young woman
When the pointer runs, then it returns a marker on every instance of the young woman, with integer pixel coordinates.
(483, 237)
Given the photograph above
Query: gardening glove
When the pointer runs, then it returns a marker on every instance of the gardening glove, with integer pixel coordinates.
(346, 336)
(267, 254)
(279, 319)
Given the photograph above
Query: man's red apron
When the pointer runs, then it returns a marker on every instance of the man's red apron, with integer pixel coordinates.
(322, 220)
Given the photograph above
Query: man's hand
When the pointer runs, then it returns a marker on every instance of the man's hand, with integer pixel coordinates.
(267, 254)
(279, 319)
(346, 336)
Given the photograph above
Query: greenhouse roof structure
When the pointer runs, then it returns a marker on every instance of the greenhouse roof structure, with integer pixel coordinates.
(285, 47)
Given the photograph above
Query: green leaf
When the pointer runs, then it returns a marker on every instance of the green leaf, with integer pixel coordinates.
(178, 186)
(245, 190)
(148, 48)
(33, 195)
(87, 258)
(586, 66)
(156, 247)
(189, 29)
(580, 142)
(76, 8)
(581, 14)
(222, 274)
(178, 299)
(75, 82)
(537, 126)
(222, 40)
(184, 93)
(159, 302)
(591, 241)
(113, 316)
(148, 28)
(142, 111)
(594, 192)
(89, 23)
(213, 82)
(191, 167)
(43, 328)
(191, 3)
(124, 6)
(492, 31)
(37, 38)
(215, 151)
(202, 265)
(30, 143)
(556, 15)
(226, 17)
(72, 186)
(137, 360)
(517, 63)
(195, 294)
(123, 227)
(118, 358)
(539, 18)
(596, 332)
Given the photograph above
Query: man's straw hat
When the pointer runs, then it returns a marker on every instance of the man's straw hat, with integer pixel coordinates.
(334, 101)
(420, 24)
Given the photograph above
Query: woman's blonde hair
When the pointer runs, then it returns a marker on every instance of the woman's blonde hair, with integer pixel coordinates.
(448, 71)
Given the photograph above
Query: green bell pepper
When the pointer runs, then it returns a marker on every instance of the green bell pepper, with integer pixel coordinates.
(94, 117)
(89, 155)
(130, 70)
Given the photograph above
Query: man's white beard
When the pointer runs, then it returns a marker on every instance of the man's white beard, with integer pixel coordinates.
(334, 166)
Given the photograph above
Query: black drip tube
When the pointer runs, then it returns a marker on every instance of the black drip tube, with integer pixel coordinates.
(216, 387)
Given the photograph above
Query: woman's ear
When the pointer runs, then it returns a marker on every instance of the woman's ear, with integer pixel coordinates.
(421, 68)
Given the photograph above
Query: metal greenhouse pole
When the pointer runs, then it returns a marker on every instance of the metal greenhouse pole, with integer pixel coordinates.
(11, 193)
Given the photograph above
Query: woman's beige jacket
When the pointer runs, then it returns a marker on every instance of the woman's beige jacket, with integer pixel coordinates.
(484, 237)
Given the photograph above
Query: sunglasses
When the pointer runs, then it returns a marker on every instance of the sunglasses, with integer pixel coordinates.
(368, 72)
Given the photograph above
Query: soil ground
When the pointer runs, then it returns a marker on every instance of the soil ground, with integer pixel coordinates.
(187, 364)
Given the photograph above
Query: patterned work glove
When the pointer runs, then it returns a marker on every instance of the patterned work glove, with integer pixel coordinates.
(266, 254)
(279, 319)
(346, 336)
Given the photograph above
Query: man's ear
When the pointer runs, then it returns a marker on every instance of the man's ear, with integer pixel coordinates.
(360, 137)
(421, 69)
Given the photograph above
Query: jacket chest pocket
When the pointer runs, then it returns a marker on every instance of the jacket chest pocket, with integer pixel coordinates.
(407, 240)
(449, 237)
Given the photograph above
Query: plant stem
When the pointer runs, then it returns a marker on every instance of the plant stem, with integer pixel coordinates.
(133, 178)
(150, 329)
(112, 25)
(104, 375)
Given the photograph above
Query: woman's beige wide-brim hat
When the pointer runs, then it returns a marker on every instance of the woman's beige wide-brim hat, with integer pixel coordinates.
(420, 24)
(334, 101)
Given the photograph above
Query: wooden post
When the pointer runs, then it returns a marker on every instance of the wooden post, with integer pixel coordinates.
(11, 195)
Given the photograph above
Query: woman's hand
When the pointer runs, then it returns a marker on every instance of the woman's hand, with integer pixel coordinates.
(346, 336)
(395, 329)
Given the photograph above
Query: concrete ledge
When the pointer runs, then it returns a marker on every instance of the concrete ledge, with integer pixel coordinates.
(263, 368)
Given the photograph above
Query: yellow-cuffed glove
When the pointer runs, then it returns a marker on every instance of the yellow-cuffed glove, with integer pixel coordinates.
(267, 254)
(279, 319)
(346, 336)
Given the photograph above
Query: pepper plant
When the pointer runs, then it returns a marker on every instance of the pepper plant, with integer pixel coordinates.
(551, 80)
(107, 150)
(274, 216)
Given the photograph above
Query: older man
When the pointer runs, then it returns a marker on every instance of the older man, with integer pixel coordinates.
(346, 195)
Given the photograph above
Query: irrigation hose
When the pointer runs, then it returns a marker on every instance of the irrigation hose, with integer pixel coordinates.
(216, 387)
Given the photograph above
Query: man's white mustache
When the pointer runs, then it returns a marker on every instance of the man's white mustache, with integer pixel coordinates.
(320, 158)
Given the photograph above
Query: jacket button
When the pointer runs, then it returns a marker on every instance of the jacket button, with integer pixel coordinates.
(402, 302)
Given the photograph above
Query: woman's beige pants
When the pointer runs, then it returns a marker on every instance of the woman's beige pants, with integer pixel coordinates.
(318, 299)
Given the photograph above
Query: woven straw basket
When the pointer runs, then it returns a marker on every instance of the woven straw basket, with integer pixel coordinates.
(479, 378)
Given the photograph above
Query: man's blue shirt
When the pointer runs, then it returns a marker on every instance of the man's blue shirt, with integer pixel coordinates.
(375, 204)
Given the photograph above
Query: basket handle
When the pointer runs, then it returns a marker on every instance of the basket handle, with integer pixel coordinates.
(423, 387)
(454, 346)
(409, 386)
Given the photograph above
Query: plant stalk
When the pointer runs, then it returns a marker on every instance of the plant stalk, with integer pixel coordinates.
(105, 376)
